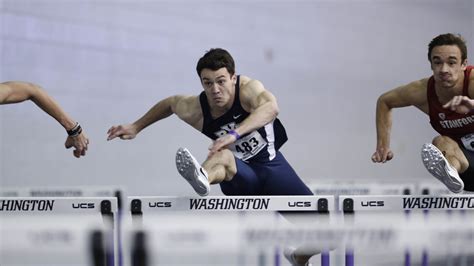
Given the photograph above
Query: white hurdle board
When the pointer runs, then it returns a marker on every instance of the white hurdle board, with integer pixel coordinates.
(362, 187)
(65, 191)
(400, 202)
(138, 205)
(44, 205)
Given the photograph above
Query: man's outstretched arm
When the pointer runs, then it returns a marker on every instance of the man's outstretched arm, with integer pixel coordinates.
(17, 91)
(185, 107)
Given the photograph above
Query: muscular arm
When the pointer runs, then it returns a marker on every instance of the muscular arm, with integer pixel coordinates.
(15, 92)
(463, 104)
(187, 108)
(262, 106)
(411, 94)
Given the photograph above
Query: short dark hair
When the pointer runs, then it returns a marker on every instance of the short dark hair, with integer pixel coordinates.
(449, 39)
(215, 59)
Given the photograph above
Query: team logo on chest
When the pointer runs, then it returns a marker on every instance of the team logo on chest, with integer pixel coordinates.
(225, 129)
(442, 116)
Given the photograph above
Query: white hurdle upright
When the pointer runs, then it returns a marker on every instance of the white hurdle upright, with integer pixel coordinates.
(234, 206)
(409, 204)
(17, 214)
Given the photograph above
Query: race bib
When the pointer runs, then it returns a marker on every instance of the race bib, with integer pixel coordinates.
(468, 142)
(246, 147)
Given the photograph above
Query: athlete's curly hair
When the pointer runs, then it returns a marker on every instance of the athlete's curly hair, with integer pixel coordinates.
(449, 39)
(215, 59)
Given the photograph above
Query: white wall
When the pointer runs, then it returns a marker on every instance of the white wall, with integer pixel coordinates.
(108, 62)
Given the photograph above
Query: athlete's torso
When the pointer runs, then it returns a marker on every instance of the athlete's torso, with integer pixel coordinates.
(259, 144)
(459, 127)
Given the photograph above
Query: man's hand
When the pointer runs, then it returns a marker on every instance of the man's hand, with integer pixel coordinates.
(221, 143)
(125, 132)
(382, 155)
(79, 143)
(460, 104)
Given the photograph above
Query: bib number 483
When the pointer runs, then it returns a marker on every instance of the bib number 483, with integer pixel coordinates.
(247, 146)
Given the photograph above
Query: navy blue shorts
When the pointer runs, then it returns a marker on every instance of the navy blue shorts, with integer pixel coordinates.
(263, 177)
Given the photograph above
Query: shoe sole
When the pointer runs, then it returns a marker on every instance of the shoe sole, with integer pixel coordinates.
(186, 165)
(436, 164)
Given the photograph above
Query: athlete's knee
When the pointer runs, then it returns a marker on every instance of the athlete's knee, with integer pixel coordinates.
(226, 159)
(443, 142)
(229, 163)
(452, 151)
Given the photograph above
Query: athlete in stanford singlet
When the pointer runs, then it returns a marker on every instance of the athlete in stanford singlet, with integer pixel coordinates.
(445, 97)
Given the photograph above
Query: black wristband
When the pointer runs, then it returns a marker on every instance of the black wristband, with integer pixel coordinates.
(75, 131)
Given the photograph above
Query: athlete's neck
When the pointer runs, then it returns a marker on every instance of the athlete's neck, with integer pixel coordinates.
(445, 94)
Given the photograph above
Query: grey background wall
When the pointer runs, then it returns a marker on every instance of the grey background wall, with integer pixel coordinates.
(107, 62)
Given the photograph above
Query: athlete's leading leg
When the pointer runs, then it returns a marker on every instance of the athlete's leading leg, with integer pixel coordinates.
(445, 160)
(221, 166)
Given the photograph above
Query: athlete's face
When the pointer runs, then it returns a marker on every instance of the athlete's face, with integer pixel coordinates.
(447, 65)
(219, 87)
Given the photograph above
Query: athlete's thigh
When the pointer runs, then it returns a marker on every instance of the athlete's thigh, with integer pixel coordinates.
(245, 182)
(281, 179)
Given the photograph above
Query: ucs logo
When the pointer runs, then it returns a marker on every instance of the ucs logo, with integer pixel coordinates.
(372, 203)
(299, 204)
(160, 204)
(83, 205)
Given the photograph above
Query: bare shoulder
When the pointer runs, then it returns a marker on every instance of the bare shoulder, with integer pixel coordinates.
(253, 94)
(250, 87)
(188, 109)
(471, 83)
(183, 104)
(413, 93)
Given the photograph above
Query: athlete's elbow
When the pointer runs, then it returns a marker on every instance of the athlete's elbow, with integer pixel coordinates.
(382, 102)
(275, 110)
(32, 91)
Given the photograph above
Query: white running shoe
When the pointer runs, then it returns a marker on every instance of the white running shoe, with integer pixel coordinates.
(290, 255)
(192, 171)
(439, 167)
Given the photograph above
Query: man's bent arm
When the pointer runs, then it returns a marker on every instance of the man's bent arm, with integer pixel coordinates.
(411, 94)
(262, 105)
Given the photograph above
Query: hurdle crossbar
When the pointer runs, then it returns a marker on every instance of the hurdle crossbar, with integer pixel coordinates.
(31, 205)
(405, 202)
(232, 203)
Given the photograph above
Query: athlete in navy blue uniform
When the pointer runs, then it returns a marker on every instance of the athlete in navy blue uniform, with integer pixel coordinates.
(240, 115)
